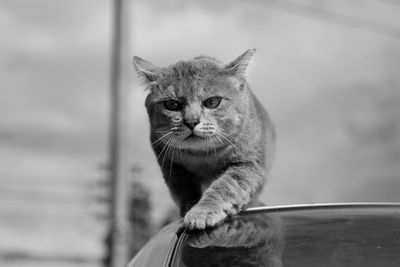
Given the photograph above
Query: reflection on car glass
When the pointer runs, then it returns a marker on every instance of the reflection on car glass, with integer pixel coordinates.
(253, 240)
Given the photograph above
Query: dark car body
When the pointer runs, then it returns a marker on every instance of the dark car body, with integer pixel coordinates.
(362, 234)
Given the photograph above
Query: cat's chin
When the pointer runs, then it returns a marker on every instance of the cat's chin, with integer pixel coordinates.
(198, 143)
(193, 142)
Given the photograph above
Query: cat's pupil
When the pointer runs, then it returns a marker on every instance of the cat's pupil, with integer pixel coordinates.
(212, 102)
(172, 105)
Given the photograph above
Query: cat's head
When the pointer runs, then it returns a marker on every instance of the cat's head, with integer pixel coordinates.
(197, 104)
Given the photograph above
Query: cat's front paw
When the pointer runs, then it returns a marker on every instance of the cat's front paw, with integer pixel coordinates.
(201, 218)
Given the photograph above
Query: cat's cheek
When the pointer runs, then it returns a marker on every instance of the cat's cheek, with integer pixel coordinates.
(228, 123)
(236, 119)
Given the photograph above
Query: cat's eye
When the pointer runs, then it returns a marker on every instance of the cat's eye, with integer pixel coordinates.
(173, 105)
(212, 102)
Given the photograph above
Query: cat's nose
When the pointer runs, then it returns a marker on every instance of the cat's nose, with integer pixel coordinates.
(191, 124)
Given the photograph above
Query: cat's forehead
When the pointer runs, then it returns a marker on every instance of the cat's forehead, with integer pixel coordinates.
(195, 87)
(188, 92)
(198, 69)
(193, 79)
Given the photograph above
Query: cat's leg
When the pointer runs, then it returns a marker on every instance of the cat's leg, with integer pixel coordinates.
(184, 189)
(227, 195)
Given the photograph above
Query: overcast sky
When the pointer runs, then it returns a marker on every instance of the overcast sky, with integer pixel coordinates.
(332, 90)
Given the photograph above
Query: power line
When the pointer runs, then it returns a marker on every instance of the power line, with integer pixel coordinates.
(333, 17)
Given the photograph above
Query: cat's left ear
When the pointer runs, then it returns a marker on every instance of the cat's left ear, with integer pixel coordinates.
(146, 70)
(239, 67)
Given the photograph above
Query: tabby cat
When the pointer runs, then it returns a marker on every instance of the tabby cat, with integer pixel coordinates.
(211, 136)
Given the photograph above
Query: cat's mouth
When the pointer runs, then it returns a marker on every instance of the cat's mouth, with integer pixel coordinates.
(193, 137)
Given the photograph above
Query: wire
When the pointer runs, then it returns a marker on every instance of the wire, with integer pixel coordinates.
(333, 17)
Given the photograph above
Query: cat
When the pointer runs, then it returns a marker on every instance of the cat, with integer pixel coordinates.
(213, 139)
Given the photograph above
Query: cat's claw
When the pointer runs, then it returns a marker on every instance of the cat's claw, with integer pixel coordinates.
(199, 219)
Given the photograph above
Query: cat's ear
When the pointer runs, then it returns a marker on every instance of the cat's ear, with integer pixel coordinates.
(146, 70)
(239, 67)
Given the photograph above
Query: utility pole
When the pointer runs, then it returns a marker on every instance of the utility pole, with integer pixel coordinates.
(119, 139)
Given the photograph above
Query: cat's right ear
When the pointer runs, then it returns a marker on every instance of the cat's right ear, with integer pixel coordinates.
(239, 67)
(146, 70)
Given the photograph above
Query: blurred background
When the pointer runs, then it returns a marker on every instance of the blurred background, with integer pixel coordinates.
(327, 71)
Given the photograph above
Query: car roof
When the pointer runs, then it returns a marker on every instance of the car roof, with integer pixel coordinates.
(329, 234)
(327, 206)
(334, 234)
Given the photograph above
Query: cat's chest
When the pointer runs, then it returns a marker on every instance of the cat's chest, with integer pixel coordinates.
(204, 168)
(204, 171)
(205, 174)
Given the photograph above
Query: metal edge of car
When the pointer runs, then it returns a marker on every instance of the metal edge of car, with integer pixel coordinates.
(174, 233)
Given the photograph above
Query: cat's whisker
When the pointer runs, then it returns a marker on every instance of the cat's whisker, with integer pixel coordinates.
(162, 137)
(159, 142)
(236, 133)
(219, 139)
(165, 146)
(233, 139)
(230, 137)
(180, 153)
(213, 145)
(155, 144)
(207, 145)
(227, 141)
(223, 137)
(166, 151)
(172, 159)
(227, 133)
(161, 131)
